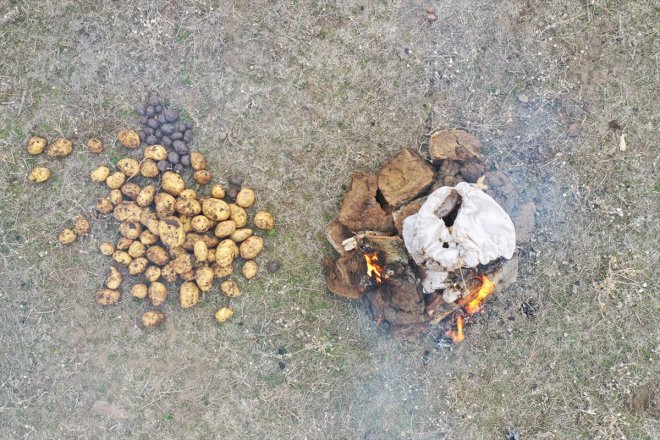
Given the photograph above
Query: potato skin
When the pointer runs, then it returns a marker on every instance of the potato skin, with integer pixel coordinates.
(62, 147)
(152, 273)
(39, 174)
(67, 236)
(153, 318)
(264, 220)
(116, 196)
(188, 207)
(99, 174)
(230, 289)
(128, 212)
(148, 238)
(124, 243)
(107, 248)
(95, 146)
(114, 279)
(122, 258)
(230, 245)
(215, 209)
(245, 197)
(172, 183)
(218, 191)
(130, 230)
(171, 232)
(149, 168)
(115, 180)
(222, 271)
(36, 145)
(81, 225)
(241, 235)
(183, 263)
(129, 138)
(197, 161)
(224, 256)
(251, 247)
(223, 314)
(138, 266)
(158, 255)
(129, 166)
(157, 293)
(146, 196)
(200, 223)
(164, 205)
(250, 269)
(139, 291)
(168, 272)
(104, 205)
(192, 237)
(238, 215)
(188, 295)
(225, 229)
(200, 250)
(136, 249)
(131, 190)
(204, 278)
(155, 152)
(202, 177)
(107, 297)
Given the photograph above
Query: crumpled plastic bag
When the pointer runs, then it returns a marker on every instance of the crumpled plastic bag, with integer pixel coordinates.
(481, 232)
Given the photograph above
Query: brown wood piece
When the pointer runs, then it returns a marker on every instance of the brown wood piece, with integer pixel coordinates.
(405, 178)
(360, 210)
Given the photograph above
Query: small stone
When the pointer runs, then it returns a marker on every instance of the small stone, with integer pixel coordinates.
(523, 98)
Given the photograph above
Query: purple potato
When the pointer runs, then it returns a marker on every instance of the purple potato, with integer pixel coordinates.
(180, 147)
(173, 157)
(178, 168)
(163, 165)
(232, 192)
(143, 119)
(149, 131)
(171, 115)
(153, 123)
(181, 127)
(236, 180)
(161, 119)
(159, 109)
(143, 135)
(154, 100)
(152, 140)
(141, 109)
(166, 141)
(189, 125)
(150, 111)
(177, 135)
(159, 133)
(168, 129)
(187, 136)
(185, 159)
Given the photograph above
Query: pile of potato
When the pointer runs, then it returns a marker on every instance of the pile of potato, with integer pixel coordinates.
(170, 233)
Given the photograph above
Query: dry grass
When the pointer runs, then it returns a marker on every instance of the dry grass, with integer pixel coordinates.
(296, 96)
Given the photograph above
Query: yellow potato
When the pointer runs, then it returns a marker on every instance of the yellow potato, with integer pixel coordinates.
(215, 209)
(186, 223)
(251, 247)
(122, 258)
(139, 291)
(197, 160)
(188, 295)
(264, 220)
(204, 278)
(158, 255)
(192, 237)
(155, 153)
(168, 273)
(138, 266)
(130, 230)
(129, 166)
(124, 243)
(153, 318)
(36, 145)
(218, 192)
(129, 138)
(222, 271)
(39, 174)
(225, 229)
(238, 215)
(149, 168)
(157, 293)
(104, 205)
(136, 249)
(189, 207)
(107, 248)
(200, 223)
(245, 198)
(201, 251)
(250, 269)
(223, 314)
(202, 177)
(172, 183)
(148, 238)
(224, 256)
(182, 263)
(171, 232)
(241, 235)
(176, 251)
(115, 180)
(116, 196)
(131, 190)
(146, 196)
(188, 193)
(67, 236)
(152, 273)
(95, 146)
(99, 174)
(107, 297)
(231, 245)
(81, 225)
(128, 212)
(62, 147)
(114, 278)
(230, 289)
(164, 205)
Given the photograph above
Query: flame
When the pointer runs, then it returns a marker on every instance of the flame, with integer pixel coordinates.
(374, 270)
(486, 289)
(457, 335)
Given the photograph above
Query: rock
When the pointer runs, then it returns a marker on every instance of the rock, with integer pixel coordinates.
(454, 145)
(336, 233)
(472, 169)
(360, 210)
(404, 178)
(524, 222)
(109, 410)
(500, 187)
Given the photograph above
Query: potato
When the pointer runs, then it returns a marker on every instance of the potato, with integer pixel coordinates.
(238, 215)
(153, 318)
(148, 238)
(250, 269)
(210, 257)
(200, 223)
(122, 258)
(157, 255)
(95, 146)
(168, 273)
(107, 297)
(81, 225)
(130, 230)
(131, 190)
(67, 236)
(188, 276)
(164, 205)
(188, 193)
(139, 291)
(204, 278)
(36, 145)
(114, 278)
(104, 205)
(149, 219)
(225, 229)
(218, 192)
(115, 180)
(171, 232)
(231, 245)
(138, 266)
(157, 293)
(99, 174)
(251, 247)
(172, 183)
(223, 314)
(264, 220)
(116, 196)
(241, 235)
(136, 249)
(62, 147)
(128, 212)
(189, 207)
(224, 256)
(146, 196)
(123, 243)
(39, 174)
(188, 295)
(183, 263)
(107, 248)
(192, 237)
(222, 271)
(202, 177)
(152, 273)
(197, 160)
(245, 198)
(149, 168)
(186, 223)
(129, 138)
(230, 289)
(176, 251)
(155, 153)
(200, 250)
(215, 209)
(129, 166)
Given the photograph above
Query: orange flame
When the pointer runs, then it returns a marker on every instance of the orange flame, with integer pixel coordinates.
(374, 270)
(486, 289)
(457, 335)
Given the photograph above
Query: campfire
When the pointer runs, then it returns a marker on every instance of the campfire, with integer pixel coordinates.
(424, 244)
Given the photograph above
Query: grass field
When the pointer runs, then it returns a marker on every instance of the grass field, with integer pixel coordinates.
(296, 96)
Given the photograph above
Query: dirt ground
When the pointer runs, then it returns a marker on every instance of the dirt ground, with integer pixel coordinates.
(296, 96)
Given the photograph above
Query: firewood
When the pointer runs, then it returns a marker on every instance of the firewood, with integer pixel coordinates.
(405, 178)
(360, 210)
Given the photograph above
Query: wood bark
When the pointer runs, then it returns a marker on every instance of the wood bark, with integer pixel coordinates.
(405, 178)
